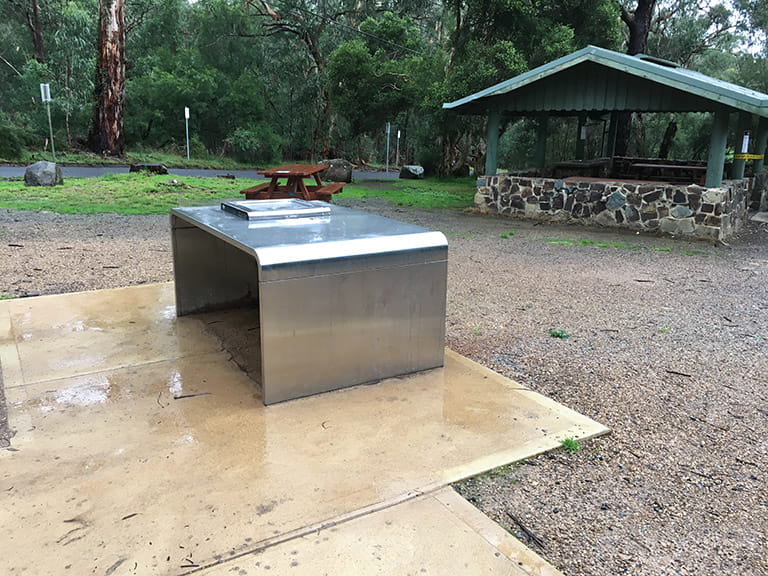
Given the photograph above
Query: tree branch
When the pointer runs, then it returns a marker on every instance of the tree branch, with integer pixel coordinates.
(11, 65)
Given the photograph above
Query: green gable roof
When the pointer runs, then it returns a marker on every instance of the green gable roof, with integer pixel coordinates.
(596, 79)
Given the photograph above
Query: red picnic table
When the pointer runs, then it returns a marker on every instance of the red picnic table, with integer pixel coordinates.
(294, 186)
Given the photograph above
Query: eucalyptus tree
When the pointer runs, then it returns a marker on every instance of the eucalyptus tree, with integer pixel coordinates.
(682, 31)
(107, 135)
(205, 57)
(34, 14)
(493, 40)
(314, 28)
(72, 60)
(371, 78)
(753, 21)
(690, 33)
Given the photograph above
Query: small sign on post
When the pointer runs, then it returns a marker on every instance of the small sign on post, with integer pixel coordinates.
(186, 125)
(45, 97)
(745, 142)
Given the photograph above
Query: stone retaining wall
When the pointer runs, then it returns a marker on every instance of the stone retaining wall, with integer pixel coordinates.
(713, 213)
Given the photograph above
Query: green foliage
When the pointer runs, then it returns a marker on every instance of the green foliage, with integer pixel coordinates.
(430, 193)
(255, 143)
(372, 80)
(561, 334)
(570, 445)
(326, 77)
(10, 142)
(685, 36)
(482, 65)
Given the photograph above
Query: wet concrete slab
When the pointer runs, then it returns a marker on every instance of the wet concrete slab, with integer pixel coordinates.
(163, 460)
(436, 533)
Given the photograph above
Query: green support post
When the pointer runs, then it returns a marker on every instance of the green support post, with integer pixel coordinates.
(492, 139)
(760, 144)
(542, 130)
(581, 143)
(717, 142)
(745, 123)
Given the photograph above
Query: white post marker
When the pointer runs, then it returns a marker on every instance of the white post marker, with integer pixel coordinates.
(45, 96)
(397, 153)
(186, 125)
(745, 143)
(387, 162)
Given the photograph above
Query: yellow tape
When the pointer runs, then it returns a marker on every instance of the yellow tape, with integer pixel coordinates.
(747, 156)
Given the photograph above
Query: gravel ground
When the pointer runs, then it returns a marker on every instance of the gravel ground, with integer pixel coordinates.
(667, 346)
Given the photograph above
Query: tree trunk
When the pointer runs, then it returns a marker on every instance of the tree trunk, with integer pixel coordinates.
(639, 24)
(36, 30)
(107, 131)
(668, 139)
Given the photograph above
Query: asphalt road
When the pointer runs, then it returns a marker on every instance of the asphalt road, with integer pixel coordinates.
(94, 171)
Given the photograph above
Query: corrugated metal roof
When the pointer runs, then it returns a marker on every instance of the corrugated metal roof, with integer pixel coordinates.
(592, 79)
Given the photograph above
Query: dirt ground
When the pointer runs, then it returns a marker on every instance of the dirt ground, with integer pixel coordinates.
(666, 344)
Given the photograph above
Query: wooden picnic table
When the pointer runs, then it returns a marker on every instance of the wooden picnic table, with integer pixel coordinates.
(678, 172)
(294, 186)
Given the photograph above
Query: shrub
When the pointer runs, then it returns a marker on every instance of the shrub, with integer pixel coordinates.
(254, 143)
(10, 142)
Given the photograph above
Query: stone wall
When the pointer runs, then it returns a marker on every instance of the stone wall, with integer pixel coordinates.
(713, 213)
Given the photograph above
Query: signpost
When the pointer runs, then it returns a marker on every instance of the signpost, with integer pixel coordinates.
(45, 96)
(389, 126)
(186, 124)
(397, 154)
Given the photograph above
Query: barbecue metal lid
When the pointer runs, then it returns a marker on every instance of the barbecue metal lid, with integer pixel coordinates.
(274, 209)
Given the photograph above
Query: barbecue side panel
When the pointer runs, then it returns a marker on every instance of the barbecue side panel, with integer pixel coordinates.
(209, 273)
(330, 331)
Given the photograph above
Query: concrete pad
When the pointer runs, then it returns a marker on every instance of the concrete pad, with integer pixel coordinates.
(70, 334)
(438, 533)
(760, 217)
(164, 459)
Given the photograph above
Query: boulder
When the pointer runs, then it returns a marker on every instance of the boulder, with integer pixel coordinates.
(147, 167)
(339, 170)
(43, 174)
(412, 172)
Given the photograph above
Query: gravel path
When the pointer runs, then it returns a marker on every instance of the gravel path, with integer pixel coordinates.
(667, 346)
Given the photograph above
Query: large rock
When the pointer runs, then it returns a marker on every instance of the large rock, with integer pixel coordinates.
(412, 172)
(43, 174)
(339, 170)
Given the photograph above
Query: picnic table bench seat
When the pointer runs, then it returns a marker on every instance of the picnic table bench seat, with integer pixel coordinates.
(320, 192)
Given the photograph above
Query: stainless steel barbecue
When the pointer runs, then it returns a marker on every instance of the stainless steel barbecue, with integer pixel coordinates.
(344, 297)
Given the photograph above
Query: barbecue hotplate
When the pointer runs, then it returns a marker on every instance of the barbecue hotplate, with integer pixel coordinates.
(274, 209)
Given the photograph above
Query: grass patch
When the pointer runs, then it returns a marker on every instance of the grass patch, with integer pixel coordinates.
(509, 234)
(586, 242)
(135, 193)
(430, 193)
(562, 334)
(141, 193)
(6, 296)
